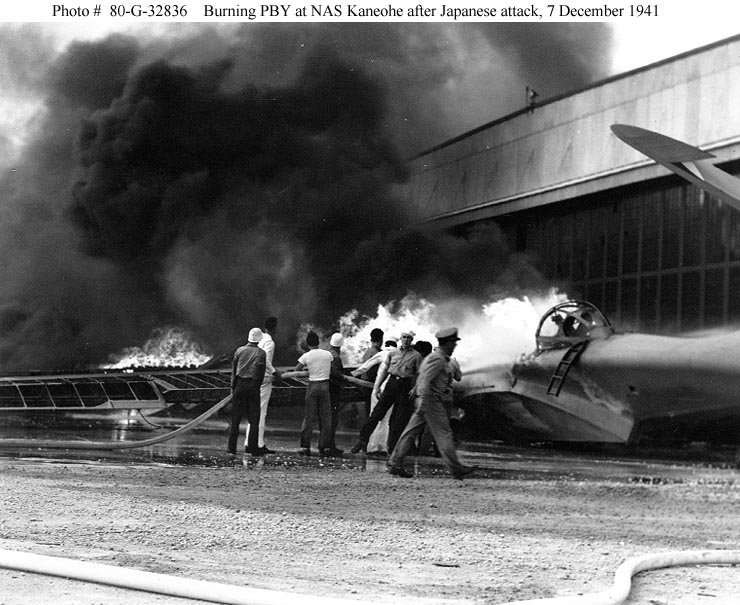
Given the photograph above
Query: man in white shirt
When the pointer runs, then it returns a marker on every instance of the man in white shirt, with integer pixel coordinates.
(318, 403)
(267, 344)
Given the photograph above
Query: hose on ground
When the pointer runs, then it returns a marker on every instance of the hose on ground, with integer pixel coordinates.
(229, 594)
(126, 577)
(114, 445)
(620, 589)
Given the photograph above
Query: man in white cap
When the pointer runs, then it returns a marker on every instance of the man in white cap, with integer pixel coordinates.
(401, 367)
(433, 389)
(336, 383)
(248, 371)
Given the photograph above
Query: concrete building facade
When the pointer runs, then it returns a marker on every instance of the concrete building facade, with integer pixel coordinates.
(653, 251)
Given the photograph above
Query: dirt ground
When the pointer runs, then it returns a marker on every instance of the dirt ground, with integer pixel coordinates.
(347, 531)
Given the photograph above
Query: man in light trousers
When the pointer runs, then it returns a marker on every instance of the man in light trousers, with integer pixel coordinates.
(267, 344)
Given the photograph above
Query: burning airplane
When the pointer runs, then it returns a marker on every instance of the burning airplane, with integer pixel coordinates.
(585, 382)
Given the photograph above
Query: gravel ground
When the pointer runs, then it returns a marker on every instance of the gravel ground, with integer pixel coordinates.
(340, 530)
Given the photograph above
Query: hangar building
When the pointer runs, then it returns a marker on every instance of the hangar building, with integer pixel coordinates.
(654, 252)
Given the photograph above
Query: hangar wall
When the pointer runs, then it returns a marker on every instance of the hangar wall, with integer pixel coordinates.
(653, 251)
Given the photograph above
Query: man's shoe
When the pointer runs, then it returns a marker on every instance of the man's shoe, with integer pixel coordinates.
(331, 452)
(465, 471)
(377, 455)
(399, 471)
(358, 447)
(265, 450)
(257, 452)
(304, 451)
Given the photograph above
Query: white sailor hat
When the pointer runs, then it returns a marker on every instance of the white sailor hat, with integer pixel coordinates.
(447, 334)
(255, 335)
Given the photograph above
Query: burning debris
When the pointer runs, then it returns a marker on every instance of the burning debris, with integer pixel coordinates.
(167, 348)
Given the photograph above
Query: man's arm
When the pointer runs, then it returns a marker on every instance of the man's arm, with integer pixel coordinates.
(370, 363)
(261, 366)
(455, 368)
(336, 371)
(382, 373)
(417, 365)
(269, 349)
(233, 371)
(425, 383)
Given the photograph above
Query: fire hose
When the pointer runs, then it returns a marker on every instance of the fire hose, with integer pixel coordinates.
(620, 589)
(229, 594)
(126, 577)
(115, 445)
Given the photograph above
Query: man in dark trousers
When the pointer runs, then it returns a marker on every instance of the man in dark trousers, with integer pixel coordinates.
(433, 390)
(401, 368)
(248, 371)
(318, 362)
(376, 345)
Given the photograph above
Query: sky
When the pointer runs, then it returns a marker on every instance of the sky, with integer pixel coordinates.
(202, 176)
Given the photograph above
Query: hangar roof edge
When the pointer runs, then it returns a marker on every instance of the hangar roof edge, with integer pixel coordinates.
(565, 95)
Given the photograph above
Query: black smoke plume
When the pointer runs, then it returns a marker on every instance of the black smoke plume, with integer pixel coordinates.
(209, 180)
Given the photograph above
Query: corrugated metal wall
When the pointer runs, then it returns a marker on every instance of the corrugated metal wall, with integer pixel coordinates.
(661, 260)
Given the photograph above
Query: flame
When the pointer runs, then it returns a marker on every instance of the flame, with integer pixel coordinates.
(495, 333)
(166, 347)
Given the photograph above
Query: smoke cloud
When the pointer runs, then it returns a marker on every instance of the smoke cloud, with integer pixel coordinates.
(213, 177)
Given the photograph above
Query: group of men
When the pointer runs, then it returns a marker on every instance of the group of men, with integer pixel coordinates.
(417, 389)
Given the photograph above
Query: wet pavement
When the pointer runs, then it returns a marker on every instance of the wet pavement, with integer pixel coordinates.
(205, 447)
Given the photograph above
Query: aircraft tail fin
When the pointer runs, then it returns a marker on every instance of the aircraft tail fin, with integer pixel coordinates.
(691, 163)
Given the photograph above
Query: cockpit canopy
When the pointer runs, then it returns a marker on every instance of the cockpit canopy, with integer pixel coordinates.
(570, 322)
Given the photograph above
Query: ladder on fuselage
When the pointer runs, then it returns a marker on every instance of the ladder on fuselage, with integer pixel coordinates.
(570, 357)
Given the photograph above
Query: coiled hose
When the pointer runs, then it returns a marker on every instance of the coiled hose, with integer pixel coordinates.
(620, 589)
(115, 445)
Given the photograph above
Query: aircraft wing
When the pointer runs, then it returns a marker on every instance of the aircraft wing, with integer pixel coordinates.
(110, 390)
(150, 389)
(689, 162)
(79, 391)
